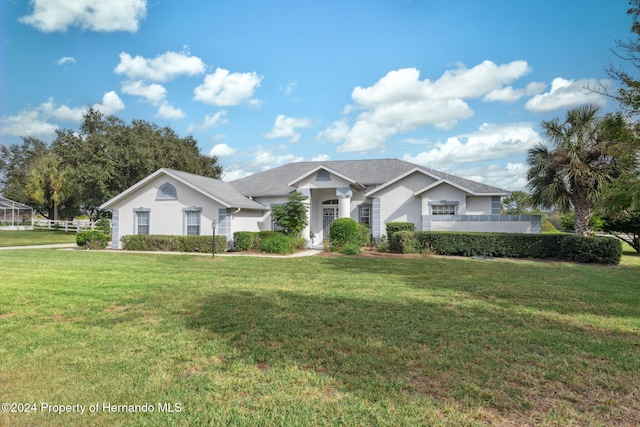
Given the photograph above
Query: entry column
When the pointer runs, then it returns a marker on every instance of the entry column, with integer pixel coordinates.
(307, 202)
(344, 202)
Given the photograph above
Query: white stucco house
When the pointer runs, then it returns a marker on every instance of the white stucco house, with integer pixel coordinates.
(369, 191)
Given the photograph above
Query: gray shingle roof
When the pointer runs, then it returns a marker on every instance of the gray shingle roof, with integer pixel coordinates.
(217, 189)
(371, 173)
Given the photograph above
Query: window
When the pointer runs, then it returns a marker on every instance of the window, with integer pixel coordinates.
(167, 192)
(323, 175)
(364, 214)
(192, 220)
(142, 222)
(443, 209)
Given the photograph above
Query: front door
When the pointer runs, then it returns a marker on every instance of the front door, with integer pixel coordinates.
(329, 213)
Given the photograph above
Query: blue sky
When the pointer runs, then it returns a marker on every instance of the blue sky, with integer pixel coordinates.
(457, 85)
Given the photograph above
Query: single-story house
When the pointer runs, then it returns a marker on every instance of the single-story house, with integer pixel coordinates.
(373, 192)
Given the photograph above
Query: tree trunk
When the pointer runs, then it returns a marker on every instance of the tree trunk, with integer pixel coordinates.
(583, 216)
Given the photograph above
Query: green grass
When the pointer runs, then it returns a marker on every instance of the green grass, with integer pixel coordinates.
(324, 340)
(28, 238)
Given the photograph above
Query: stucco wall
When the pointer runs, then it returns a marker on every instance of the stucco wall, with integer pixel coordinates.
(478, 205)
(445, 192)
(165, 216)
(398, 203)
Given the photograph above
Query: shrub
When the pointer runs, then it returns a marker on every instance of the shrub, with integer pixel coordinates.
(592, 249)
(406, 242)
(245, 240)
(103, 225)
(364, 235)
(604, 250)
(279, 244)
(351, 249)
(92, 239)
(155, 242)
(252, 240)
(343, 231)
(548, 227)
(394, 227)
(292, 216)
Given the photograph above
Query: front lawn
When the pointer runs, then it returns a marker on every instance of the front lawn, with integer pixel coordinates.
(316, 341)
(30, 237)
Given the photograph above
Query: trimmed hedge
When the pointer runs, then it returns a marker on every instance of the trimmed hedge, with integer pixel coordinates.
(157, 242)
(599, 250)
(274, 242)
(91, 239)
(602, 250)
(394, 227)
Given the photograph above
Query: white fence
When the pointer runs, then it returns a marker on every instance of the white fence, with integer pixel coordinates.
(75, 225)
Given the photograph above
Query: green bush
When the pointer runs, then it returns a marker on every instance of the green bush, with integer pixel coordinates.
(394, 227)
(603, 250)
(364, 235)
(351, 249)
(156, 242)
(245, 240)
(548, 227)
(279, 243)
(406, 242)
(92, 239)
(343, 231)
(593, 249)
(103, 225)
(253, 240)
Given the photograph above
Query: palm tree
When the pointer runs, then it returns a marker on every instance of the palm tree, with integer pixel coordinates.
(571, 170)
(48, 184)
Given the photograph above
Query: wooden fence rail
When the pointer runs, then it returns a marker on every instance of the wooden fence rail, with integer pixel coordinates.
(75, 225)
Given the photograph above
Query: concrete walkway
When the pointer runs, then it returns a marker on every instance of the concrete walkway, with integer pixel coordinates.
(308, 252)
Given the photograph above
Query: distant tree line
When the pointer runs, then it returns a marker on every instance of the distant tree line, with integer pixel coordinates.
(82, 169)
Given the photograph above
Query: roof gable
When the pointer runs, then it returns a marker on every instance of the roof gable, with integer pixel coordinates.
(328, 170)
(400, 178)
(214, 189)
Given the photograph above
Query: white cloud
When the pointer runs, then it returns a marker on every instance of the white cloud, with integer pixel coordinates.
(36, 122)
(284, 127)
(95, 15)
(511, 177)
(162, 68)
(27, 123)
(210, 121)
(153, 93)
(488, 143)
(288, 90)
(217, 119)
(321, 158)
(235, 172)
(224, 88)
(222, 150)
(565, 94)
(64, 60)
(168, 111)
(401, 102)
(111, 104)
(266, 159)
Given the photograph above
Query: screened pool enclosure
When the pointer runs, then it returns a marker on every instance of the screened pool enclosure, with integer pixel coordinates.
(14, 214)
